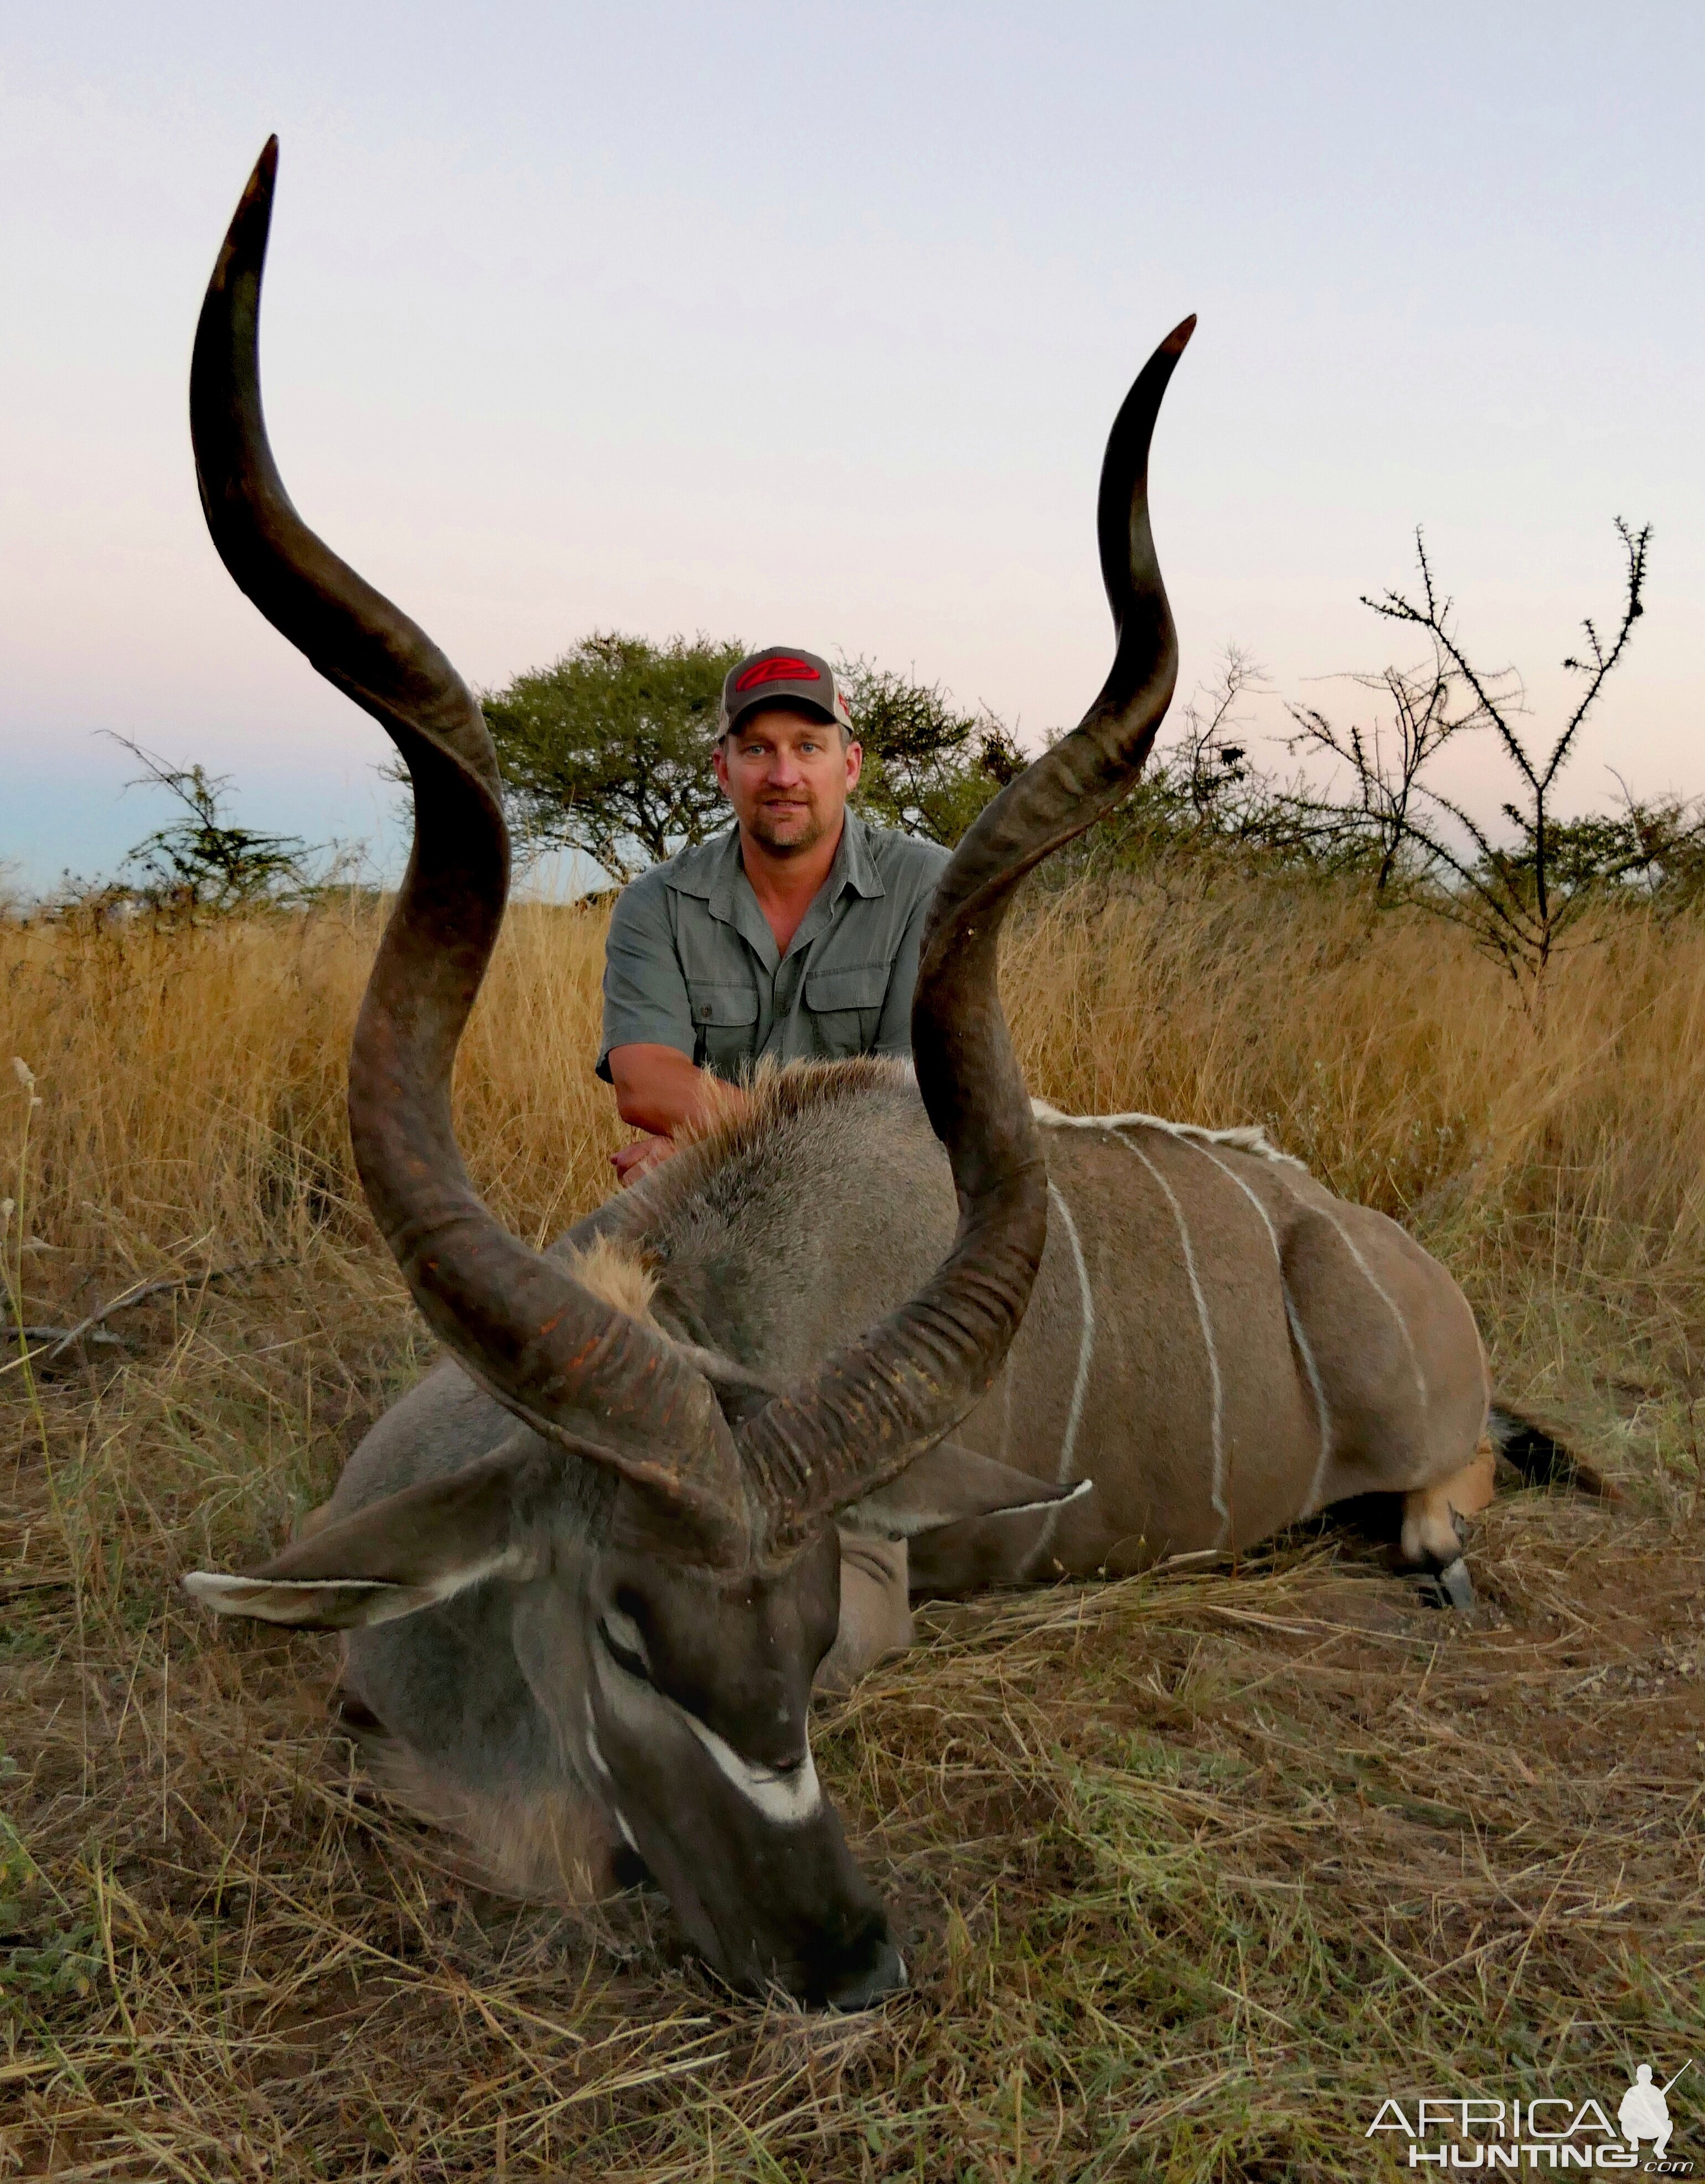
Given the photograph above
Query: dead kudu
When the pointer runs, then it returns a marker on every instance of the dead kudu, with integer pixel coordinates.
(675, 1469)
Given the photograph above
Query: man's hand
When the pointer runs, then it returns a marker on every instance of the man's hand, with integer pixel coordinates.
(639, 1158)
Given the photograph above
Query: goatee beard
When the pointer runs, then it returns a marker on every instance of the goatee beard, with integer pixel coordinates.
(794, 845)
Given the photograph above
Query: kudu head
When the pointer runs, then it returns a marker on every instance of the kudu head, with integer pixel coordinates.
(660, 1539)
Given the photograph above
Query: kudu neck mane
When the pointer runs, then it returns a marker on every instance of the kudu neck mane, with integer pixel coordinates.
(696, 1240)
(778, 1097)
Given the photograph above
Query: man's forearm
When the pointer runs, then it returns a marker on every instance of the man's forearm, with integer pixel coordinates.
(657, 1089)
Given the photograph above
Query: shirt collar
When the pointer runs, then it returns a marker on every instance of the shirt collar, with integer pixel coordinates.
(724, 875)
(716, 870)
(854, 865)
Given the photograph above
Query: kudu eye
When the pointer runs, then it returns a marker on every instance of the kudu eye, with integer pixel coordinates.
(625, 1643)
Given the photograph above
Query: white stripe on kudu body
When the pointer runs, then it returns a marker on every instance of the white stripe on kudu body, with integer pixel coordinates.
(1221, 1508)
(1080, 1384)
(1385, 1298)
(1341, 1288)
(1304, 1349)
(1247, 1138)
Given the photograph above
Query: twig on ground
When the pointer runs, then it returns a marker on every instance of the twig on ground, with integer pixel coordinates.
(43, 1335)
(59, 1340)
(147, 1290)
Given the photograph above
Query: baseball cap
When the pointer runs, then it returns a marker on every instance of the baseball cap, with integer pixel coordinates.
(783, 675)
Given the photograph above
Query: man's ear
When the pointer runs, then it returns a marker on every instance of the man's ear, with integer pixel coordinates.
(409, 1552)
(949, 1485)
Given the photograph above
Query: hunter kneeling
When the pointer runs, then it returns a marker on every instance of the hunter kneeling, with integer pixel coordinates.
(792, 936)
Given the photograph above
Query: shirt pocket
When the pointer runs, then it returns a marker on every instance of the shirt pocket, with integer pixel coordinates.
(725, 1020)
(844, 1004)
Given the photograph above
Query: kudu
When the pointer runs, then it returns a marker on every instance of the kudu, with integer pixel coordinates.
(594, 1563)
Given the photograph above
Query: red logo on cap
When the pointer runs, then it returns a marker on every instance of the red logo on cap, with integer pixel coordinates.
(782, 669)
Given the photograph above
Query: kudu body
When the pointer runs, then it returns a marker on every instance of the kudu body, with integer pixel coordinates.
(590, 1568)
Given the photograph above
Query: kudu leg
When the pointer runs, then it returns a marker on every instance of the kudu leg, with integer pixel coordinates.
(1432, 1537)
(876, 1611)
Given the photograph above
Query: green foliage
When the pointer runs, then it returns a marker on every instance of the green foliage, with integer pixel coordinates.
(203, 864)
(928, 768)
(1650, 853)
(1203, 804)
(38, 1959)
(608, 750)
(1646, 852)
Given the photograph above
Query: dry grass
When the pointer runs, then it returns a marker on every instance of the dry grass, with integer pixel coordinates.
(1195, 1868)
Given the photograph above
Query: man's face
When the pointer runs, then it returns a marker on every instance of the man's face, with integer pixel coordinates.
(787, 775)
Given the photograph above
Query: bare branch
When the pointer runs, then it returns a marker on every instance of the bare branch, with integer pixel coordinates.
(1634, 547)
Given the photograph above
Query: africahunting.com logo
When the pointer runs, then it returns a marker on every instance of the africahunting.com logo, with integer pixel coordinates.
(1553, 2132)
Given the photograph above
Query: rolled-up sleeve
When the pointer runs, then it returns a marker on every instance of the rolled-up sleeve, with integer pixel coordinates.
(645, 1001)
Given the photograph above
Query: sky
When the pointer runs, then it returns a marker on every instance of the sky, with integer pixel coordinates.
(805, 326)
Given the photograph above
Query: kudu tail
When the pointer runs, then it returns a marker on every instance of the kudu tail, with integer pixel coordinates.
(1542, 1459)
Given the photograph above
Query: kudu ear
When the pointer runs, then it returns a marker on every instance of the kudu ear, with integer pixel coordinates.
(409, 1552)
(949, 1485)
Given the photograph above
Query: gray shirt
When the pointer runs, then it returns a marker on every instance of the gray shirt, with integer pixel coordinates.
(692, 963)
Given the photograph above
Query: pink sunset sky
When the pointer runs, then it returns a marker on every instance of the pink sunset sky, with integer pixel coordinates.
(806, 325)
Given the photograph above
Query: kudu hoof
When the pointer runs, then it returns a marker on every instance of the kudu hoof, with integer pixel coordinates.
(628, 1870)
(885, 1974)
(1450, 1587)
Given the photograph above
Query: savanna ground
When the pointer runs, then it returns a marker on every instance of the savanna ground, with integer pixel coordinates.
(1194, 1870)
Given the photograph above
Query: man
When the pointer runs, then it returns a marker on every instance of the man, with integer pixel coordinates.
(1645, 2111)
(794, 934)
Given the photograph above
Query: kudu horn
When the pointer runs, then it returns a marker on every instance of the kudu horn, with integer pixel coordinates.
(588, 1377)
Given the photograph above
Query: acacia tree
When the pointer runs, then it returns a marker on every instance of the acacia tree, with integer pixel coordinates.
(608, 750)
(1386, 760)
(1204, 803)
(203, 863)
(1518, 901)
(928, 767)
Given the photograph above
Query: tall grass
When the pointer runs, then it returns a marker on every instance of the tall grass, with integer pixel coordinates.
(192, 1079)
(191, 1082)
(1563, 1153)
